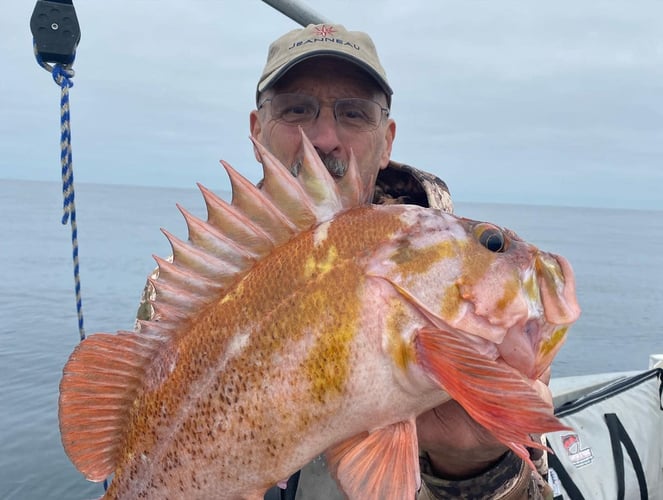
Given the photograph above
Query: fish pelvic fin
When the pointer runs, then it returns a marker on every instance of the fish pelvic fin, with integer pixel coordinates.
(99, 384)
(495, 395)
(380, 465)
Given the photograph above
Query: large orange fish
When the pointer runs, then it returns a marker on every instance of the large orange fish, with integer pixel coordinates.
(298, 319)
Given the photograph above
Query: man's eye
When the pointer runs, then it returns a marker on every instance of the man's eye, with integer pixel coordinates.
(354, 114)
(297, 112)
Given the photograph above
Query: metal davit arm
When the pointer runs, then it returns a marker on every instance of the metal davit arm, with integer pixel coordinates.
(297, 11)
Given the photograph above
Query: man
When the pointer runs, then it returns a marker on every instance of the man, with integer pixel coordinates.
(330, 82)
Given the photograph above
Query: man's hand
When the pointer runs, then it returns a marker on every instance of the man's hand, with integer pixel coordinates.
(457, 446)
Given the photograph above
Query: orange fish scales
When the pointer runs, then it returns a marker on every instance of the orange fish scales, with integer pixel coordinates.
(510, 292)
(415, 261)
(402, 351)
(451, 301)
(363, 229)
(475, 266)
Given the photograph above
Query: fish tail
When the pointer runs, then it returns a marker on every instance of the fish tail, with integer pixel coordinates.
(494, 394)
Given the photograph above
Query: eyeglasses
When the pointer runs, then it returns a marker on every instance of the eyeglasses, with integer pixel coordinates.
(353, 113)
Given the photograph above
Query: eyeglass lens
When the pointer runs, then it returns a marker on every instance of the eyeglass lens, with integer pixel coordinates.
(353, 113)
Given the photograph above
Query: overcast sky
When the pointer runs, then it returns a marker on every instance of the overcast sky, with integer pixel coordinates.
(557, 103)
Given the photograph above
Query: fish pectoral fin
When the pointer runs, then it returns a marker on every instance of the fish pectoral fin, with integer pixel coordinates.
(98, 387)
(495, 395)
(383, 464)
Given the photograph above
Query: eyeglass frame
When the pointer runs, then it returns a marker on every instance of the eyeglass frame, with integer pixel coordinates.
(384, 112)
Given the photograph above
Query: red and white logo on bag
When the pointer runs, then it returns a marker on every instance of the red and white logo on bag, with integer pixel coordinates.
(578, 455)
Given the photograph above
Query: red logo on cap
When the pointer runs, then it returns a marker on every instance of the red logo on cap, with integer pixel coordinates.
(324, 30)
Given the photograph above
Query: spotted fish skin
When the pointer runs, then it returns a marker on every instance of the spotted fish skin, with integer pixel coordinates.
(298, 320)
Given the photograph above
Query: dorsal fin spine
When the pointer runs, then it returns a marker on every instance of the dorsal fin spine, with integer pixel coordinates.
(259, 208)
(174, 295)
(237, 226)
(291, 197)
(319, 183)
(197, 260)
(172, 272)
(206, 236)
(352, 189)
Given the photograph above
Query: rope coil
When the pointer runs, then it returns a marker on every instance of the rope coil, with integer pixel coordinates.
(62, 75)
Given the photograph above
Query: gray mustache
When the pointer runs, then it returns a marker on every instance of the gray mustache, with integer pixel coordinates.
(335, 166)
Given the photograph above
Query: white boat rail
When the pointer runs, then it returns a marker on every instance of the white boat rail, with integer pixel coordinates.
(566, 389)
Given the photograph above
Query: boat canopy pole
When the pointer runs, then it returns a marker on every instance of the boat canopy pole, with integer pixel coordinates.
(297, 11)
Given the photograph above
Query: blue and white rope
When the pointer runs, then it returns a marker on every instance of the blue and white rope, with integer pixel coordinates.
(62, 75)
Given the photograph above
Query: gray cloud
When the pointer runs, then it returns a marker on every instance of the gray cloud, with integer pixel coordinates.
(565, 98)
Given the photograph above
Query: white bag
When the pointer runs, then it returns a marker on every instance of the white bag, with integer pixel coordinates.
(615, 450)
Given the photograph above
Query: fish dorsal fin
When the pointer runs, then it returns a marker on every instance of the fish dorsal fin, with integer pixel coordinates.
(223, 248)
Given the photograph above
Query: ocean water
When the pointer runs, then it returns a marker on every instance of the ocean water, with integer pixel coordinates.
(616, 255)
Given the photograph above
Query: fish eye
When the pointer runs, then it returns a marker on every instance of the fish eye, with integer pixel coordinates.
(491, 237)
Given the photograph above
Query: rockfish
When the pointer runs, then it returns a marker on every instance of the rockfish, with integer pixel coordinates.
(298, 319)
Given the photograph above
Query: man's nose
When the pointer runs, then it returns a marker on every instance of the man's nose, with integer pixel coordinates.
(323, 132)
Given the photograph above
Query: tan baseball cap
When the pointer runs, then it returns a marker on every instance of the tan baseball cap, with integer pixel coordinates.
(322, 40)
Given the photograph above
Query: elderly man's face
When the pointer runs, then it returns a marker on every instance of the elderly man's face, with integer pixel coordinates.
(327, 80)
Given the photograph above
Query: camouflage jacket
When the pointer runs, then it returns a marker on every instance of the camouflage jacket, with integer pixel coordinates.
(509, 479)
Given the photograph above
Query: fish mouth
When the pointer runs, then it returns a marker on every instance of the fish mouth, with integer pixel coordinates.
(531, 342)
(532, 345)
(520, 343)
(557, 289)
